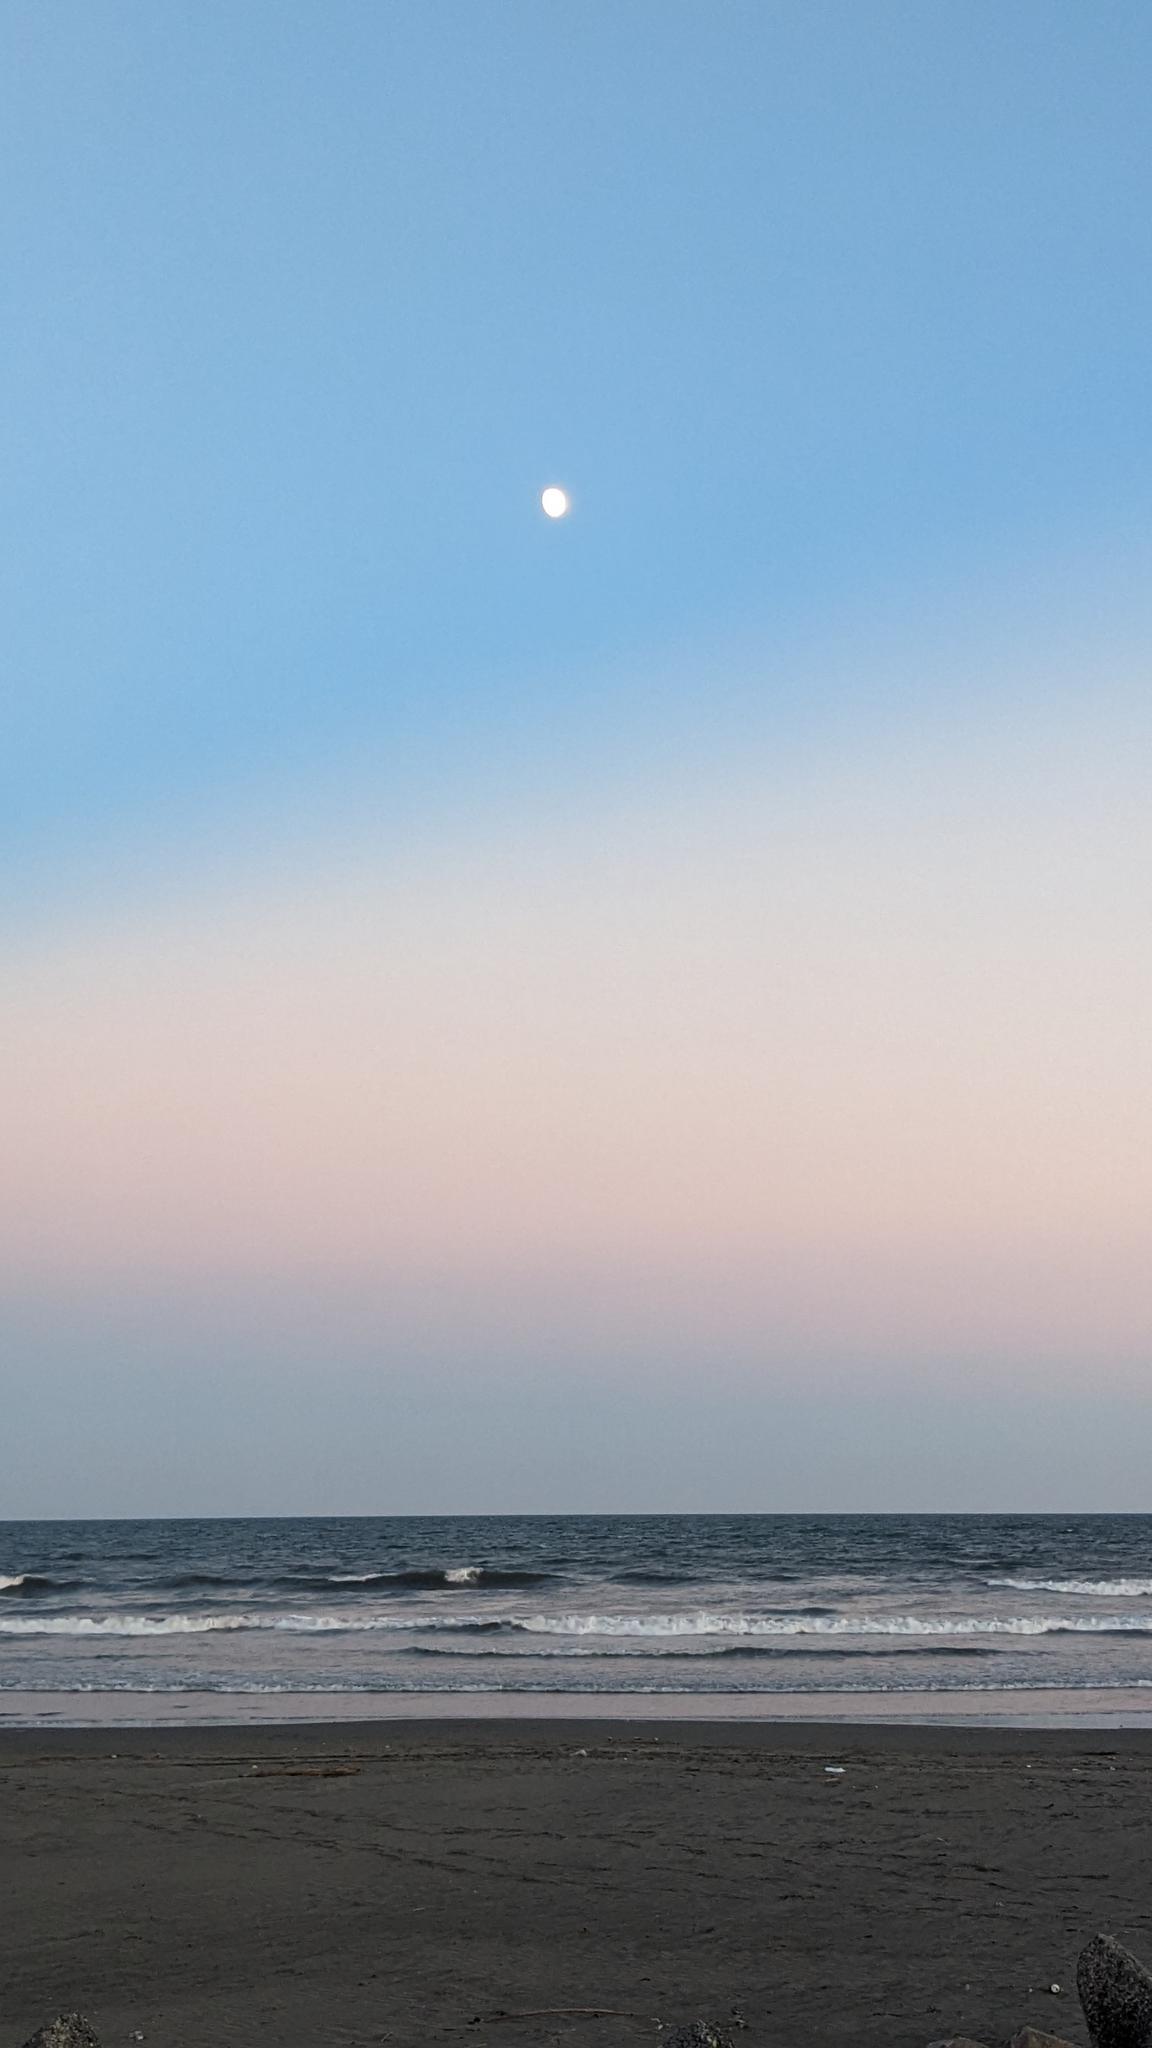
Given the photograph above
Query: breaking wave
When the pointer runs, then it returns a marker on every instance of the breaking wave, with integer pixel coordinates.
(423, 1581)
(92, 1625)
(705, 1624)
(639, 1627)
(1104, 1589)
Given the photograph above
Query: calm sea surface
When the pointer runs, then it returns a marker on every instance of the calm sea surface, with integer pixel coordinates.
(654, 1605)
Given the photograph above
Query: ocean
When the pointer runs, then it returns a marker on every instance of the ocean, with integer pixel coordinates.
(652, 1607)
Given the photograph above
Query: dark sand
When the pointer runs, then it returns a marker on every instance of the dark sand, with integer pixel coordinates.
(154, 1880)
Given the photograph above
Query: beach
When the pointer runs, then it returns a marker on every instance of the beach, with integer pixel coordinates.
(403, 1881)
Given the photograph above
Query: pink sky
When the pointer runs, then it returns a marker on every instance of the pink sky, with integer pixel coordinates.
(781, 1066)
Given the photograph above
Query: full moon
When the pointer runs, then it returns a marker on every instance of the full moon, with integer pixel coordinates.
(554, 501)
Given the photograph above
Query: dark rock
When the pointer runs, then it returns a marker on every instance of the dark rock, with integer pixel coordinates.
(1034, 2037)
(71, 2030)
(957, 2041)
(701, 2034)
(1116, 1994)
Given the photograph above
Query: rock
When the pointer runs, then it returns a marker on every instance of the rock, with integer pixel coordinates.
(957, 2041)
(1033, 2037)
(701, 2034)
(1116, 1994)
(70, 2030)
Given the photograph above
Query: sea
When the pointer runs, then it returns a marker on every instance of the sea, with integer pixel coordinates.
(150, 1620)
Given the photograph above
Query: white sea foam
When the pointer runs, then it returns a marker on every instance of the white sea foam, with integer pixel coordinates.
(1105, 1589)
(9, 1585)
(217, 1624)
(706, 1624)
(462, 1575)
(699, 1623)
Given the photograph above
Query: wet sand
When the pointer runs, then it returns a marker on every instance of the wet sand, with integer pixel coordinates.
(402, 1882)
(1049, 1707)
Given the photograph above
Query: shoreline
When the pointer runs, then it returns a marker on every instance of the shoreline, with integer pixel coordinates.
(1064, 1708)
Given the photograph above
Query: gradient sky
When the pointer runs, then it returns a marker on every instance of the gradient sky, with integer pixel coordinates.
(649, 1012)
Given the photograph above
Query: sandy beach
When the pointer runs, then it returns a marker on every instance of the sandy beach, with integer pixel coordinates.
(397, 1881)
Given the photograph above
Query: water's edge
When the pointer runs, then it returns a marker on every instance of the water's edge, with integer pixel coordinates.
(1104, 1707)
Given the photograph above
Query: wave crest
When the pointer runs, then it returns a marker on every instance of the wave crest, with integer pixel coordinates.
(1104, 1589)
(586, 1627)
(143, 1625)
(798, 1624)
(423, 1580)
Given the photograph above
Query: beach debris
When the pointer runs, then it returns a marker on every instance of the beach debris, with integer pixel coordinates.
(698, 2034)
(1035, 2037)
(67, 2030)
(1116, 1994)
(833, 1770)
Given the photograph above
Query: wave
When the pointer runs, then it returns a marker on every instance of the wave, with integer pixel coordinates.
(420, 1580)
(474, 1576)
(1105, 1589)
(707, 1624)
(187, 1582)
(640, 1627)
(144, 1625)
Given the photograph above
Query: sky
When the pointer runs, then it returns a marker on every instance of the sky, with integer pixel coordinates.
(648, 1011)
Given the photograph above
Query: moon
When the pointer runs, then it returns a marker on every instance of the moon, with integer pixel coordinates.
(554, 502)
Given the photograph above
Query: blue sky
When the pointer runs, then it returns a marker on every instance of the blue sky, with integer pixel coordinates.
(698, 949)
(813, 308)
